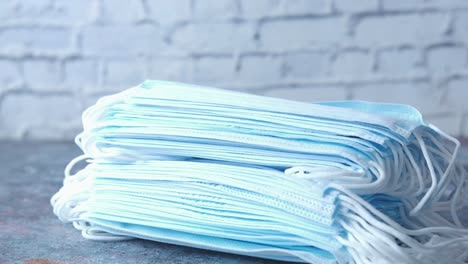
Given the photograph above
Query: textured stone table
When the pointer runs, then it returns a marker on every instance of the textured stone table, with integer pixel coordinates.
(29, 232)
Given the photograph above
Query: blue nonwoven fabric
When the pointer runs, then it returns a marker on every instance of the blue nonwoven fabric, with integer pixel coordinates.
(329, 182)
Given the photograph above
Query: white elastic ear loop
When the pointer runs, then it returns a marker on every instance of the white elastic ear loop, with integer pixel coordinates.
(78, 139)
(453, 203)
(423, 231)
(350, 241)
(370, 243)
(386, 227)
(68, 202)
(454, 153)
(362, 249)
(91, 114)
(383, 243)
(75, 191)
(373, 186)
(97, 234)
(456, 180)
(408, 184)
(458, 203)
(443, 185)
(396, 170)
(353, 198)
(381, 246)
(433, 186)
(412, 243)
(72, 163)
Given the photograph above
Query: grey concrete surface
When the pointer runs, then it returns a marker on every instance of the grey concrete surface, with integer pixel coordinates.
(30, 234)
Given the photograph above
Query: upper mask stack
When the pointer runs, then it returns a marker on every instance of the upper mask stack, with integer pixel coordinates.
(335, 182)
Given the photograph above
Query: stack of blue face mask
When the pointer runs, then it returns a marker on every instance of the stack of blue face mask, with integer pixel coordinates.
(337, 182)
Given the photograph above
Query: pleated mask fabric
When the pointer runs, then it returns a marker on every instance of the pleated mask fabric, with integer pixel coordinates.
(328, 182)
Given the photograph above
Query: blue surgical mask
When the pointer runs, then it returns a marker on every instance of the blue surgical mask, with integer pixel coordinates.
(321, 183)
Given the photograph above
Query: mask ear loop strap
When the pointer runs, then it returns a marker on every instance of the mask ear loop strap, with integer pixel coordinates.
(433, 186)
(350, 243)
(356, 241)
(94, 233)
(374, 186)
(386, 239)
(453, 207)
(416, 168)
(412, 245)
(459, 184)
(72, 163)
(369, 241)
(412, 167)
(395, 181)
(453, 155)
(460, 192)
(353, 198)
(406, 182)
(73, 192)
(78, 139)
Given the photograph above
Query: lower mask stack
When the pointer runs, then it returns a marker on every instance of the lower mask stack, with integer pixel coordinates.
(336, 182)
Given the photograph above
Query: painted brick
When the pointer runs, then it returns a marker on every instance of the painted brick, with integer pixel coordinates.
(167, 12)
(31, 8)
(122, 74)
(208, 70)
(352, 63)
(461, 26)
(260, 69)
(306, 64)
(45, 11)
(73, 11)
(291, 34)
(214, 9)
(81, 72)
(399, 61)
(42, 75)
(62, 12)
(402, 4)
(310, 94)
(7, 8)
(457, 93)
(35, 39)
(9, 74)
(449, 4)
(422, 4)
(464, 133)
(356, 6)
(447, 59)
(259, 8)
(419, 94)
(121, 41)
(41, 111)
(393, 30)
(170, 69)
(304, 7)
(121, 11)
(215, 37)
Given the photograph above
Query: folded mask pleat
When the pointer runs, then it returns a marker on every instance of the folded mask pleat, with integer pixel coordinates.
(331, 182)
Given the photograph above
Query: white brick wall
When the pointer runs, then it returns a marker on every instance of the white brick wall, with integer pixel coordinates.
(59, 56)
